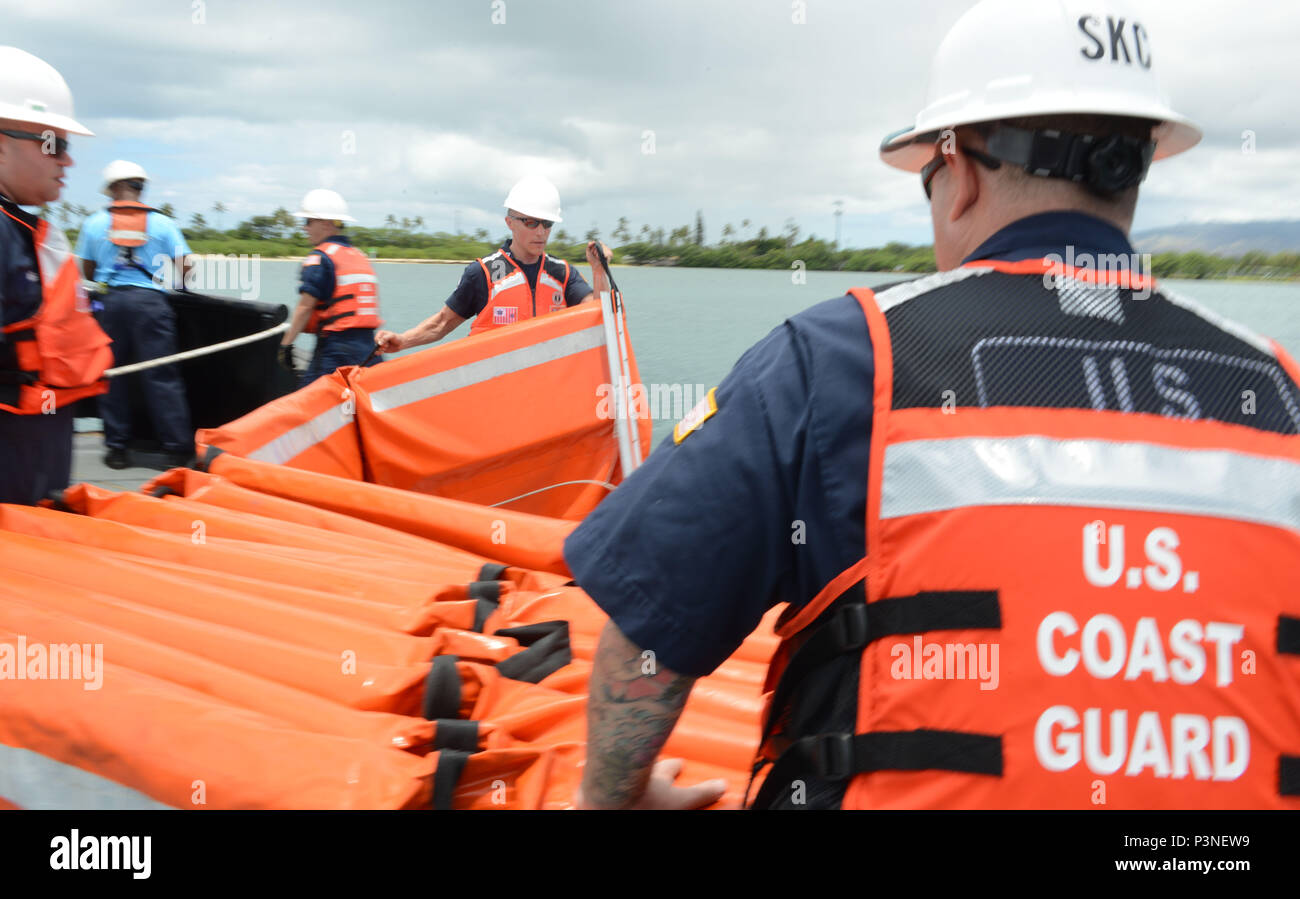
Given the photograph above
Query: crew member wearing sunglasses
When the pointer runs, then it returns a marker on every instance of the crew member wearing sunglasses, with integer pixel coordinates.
(517, 282)
(52, 352)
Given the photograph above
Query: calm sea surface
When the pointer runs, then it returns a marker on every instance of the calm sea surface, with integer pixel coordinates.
(689, 325)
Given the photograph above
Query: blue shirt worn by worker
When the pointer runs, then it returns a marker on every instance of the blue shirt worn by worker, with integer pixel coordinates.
(766, 501)
(165, 245)
(471, 294)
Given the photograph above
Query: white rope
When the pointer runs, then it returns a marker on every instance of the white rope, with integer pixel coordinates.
(197, 351)
(606, 484)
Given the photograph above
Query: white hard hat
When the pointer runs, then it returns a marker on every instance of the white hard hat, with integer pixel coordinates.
(121, 170)
(1014, 58)
(324, 204)
(535, 196)
(31, 90)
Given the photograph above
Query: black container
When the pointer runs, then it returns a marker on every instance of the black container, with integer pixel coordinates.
(222, 386)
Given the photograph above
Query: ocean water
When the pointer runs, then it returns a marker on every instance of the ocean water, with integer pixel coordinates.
(689, 325)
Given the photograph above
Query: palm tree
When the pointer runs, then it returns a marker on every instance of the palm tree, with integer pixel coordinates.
(219, 208)
(391, 221)
(621, 233)
(727, 232)
(419, 222)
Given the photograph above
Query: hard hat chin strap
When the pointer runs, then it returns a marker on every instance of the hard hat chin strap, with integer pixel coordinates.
(1105, 165)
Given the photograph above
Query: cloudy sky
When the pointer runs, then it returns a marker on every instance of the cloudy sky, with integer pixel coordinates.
(433, 109)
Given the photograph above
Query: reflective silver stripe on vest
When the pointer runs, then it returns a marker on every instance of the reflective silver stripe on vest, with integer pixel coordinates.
(33, 781)
(932, 475)
(128, 235)
(910, 290)
(357, 279)
(487, 369)
(304, 437)
(506, 283)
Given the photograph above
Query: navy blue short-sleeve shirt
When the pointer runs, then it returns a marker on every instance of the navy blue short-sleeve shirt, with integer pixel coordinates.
(766, 501)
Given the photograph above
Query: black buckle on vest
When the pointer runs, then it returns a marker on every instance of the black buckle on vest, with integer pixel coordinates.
(831, 756)
(852, 629)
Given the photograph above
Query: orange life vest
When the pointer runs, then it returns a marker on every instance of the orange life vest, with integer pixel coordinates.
(1064, 603)
(129, 225)
(355, 301)
(510, 299)
(61, 352)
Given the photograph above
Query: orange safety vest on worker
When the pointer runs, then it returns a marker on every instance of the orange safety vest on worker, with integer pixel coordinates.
(129, 225)
(61, 351)
(355, 301)
(511, 299)
(1081, 586)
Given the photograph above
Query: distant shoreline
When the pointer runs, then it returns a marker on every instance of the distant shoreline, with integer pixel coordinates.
(1286, 279)
(380, 259)
(402, 260)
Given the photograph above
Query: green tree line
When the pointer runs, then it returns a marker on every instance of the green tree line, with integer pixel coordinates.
(280, 234)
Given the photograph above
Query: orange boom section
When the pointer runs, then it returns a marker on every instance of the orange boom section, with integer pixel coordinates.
(521, 418)
(256, 636)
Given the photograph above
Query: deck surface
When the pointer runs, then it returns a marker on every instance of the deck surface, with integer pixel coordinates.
(88, 465)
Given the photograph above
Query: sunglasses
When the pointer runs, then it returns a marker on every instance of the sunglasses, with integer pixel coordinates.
(60, 143)
(932, 167)
(530, 224)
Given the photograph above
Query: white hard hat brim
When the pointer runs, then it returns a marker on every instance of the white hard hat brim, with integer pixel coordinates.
(913, 147)
(325, 218)
(45, 119)
(532, 212)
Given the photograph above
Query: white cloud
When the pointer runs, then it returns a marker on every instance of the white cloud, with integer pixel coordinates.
(754, 116)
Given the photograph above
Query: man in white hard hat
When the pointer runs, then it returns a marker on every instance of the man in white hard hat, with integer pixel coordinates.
(138, 253)
(517, 282)
(52, 352)
(338, 296)
(1081, 577)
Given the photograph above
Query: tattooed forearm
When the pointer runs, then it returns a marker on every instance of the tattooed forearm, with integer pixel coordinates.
(633, 706)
